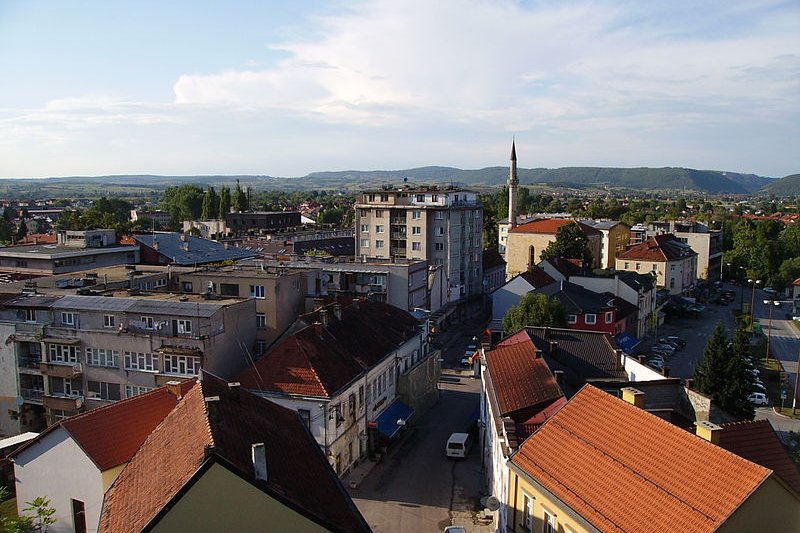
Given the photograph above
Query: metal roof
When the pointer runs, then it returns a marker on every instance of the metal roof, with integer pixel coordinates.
(192, 251)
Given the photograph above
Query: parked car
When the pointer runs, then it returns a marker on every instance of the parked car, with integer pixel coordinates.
(770, 291)
(655, 356)
(656, 363)
(669, 342)
(674, 338)
(759, 388)
(663, 348)
(758, 398)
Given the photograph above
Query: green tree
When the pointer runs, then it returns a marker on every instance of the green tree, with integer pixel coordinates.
(210, 204)
(42, 514)
(22, 230)
(239, 199)
(570, 243)
(224, 202)
(534, 309)
(722, 375)
(183, 202)
(332, 215)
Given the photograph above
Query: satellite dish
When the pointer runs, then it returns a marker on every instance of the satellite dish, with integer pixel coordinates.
(491, 503)
(19, 401)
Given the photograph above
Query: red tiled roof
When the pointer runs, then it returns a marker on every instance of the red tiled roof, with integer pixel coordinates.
(521, 378)
(110, 435)
(529, 426)
(550, 226)
(663, 247)
(623, 469)
(796, 282)
(756, 441)
(318, 360)
(191, 435)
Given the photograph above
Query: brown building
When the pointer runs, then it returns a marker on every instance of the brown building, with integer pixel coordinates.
(527, 242)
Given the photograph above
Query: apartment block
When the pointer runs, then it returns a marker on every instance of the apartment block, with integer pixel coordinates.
(441, 225)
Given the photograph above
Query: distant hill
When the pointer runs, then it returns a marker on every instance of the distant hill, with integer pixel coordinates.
(671, 178)
(786, 186)
(654, 179)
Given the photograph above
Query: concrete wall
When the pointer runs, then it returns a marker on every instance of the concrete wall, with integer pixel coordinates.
(8, 382)
(57, 468)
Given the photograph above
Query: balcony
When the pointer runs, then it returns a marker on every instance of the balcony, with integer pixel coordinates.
(62, 402)
(61, 370)
(30, 364)
(32, 395)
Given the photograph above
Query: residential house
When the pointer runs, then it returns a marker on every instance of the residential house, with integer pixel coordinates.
(442, 225)
(241, 462)
(494, 270)
(616, 237)
(593, 466)
(527, 241)
(705, 241)
(591, 311)
(518, 393)
(673, 262)
(73, 352)
(503, 298)
(636, 289)
(351, 371)
(75, 461)
(261, 221)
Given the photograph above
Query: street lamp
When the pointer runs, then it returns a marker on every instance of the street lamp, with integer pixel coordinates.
(753, 301)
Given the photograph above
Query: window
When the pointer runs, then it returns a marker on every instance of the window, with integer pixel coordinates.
(337, 413)
(439, 246)
(364, 228)
(638, 266)
(109, 321)
(590, 318)
(351, 406)
(68, 319)
(147, 322)
(78, 516)
(364, 213)
(416, 230)
(379, 244)
(261, 321)
(184, 326)
(416, 214)
(30, 315)
(416, 246)
(257, 291)
(379, 213)
(548, 522)
(672, 283)
(63, 353)
(65, 387)
(183, 365)
(609, 317)
(361, 396)
(572, 319)
(434, 198)
(102, 357)
(655, 267)
(438, 215)
(305, 416)
(187, 286)
(229, 289)
(672, 268)
(420, 197)
(627, 265)
(261, 347)
(440, 231)
(527, 512)
(103, 390)
(384, 197)
(141, 361)
(135, 390)
(364, 243)
(531, 255)
(379, 228)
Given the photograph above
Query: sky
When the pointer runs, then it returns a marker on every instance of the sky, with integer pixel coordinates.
(287, 88)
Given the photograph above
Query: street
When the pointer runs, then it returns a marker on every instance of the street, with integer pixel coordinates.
(415, 488)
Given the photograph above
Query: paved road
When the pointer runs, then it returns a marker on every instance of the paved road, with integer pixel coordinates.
(415, 488)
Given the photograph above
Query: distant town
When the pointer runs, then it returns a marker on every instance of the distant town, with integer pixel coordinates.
(405, 356)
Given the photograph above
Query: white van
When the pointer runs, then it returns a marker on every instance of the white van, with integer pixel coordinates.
(458, 445)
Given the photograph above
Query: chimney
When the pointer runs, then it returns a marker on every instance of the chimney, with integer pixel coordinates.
(323, 317)
(559, 375)
(318, 303)
(234, 387)
(665, 372)
(620, 357)
(355, 303)
(708, 431)
(174, 387)
(183, 237)
(689, 383)
(259, 456)
(553, 349)
(633, 396)
(337, 311)
(156, 246)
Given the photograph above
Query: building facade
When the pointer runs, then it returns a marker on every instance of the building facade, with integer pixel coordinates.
(673, 262)
(616, 237)
(441, 225)
(526, 243)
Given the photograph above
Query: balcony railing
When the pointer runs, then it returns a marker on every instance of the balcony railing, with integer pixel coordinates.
(61, 370)
(31, 395)
(30, 363)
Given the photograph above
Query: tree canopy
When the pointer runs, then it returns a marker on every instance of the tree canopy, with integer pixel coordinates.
(570, 243)
(534, 309)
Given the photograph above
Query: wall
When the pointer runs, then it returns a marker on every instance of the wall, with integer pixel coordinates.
(567, 519)
(419, 386)
(57, 468)
(222, 501)
(8, 382)
(770, 508)
(518, 247)
(506, 296)
(639, 372)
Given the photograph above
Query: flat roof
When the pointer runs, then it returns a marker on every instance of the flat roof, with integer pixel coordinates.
(53, 251)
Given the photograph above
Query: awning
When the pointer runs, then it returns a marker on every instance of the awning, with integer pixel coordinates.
(627, 342)
(396, 412)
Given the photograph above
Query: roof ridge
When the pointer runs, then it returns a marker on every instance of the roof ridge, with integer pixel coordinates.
(206, 417)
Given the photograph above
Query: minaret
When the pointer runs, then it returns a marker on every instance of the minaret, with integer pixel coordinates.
(513, 182)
